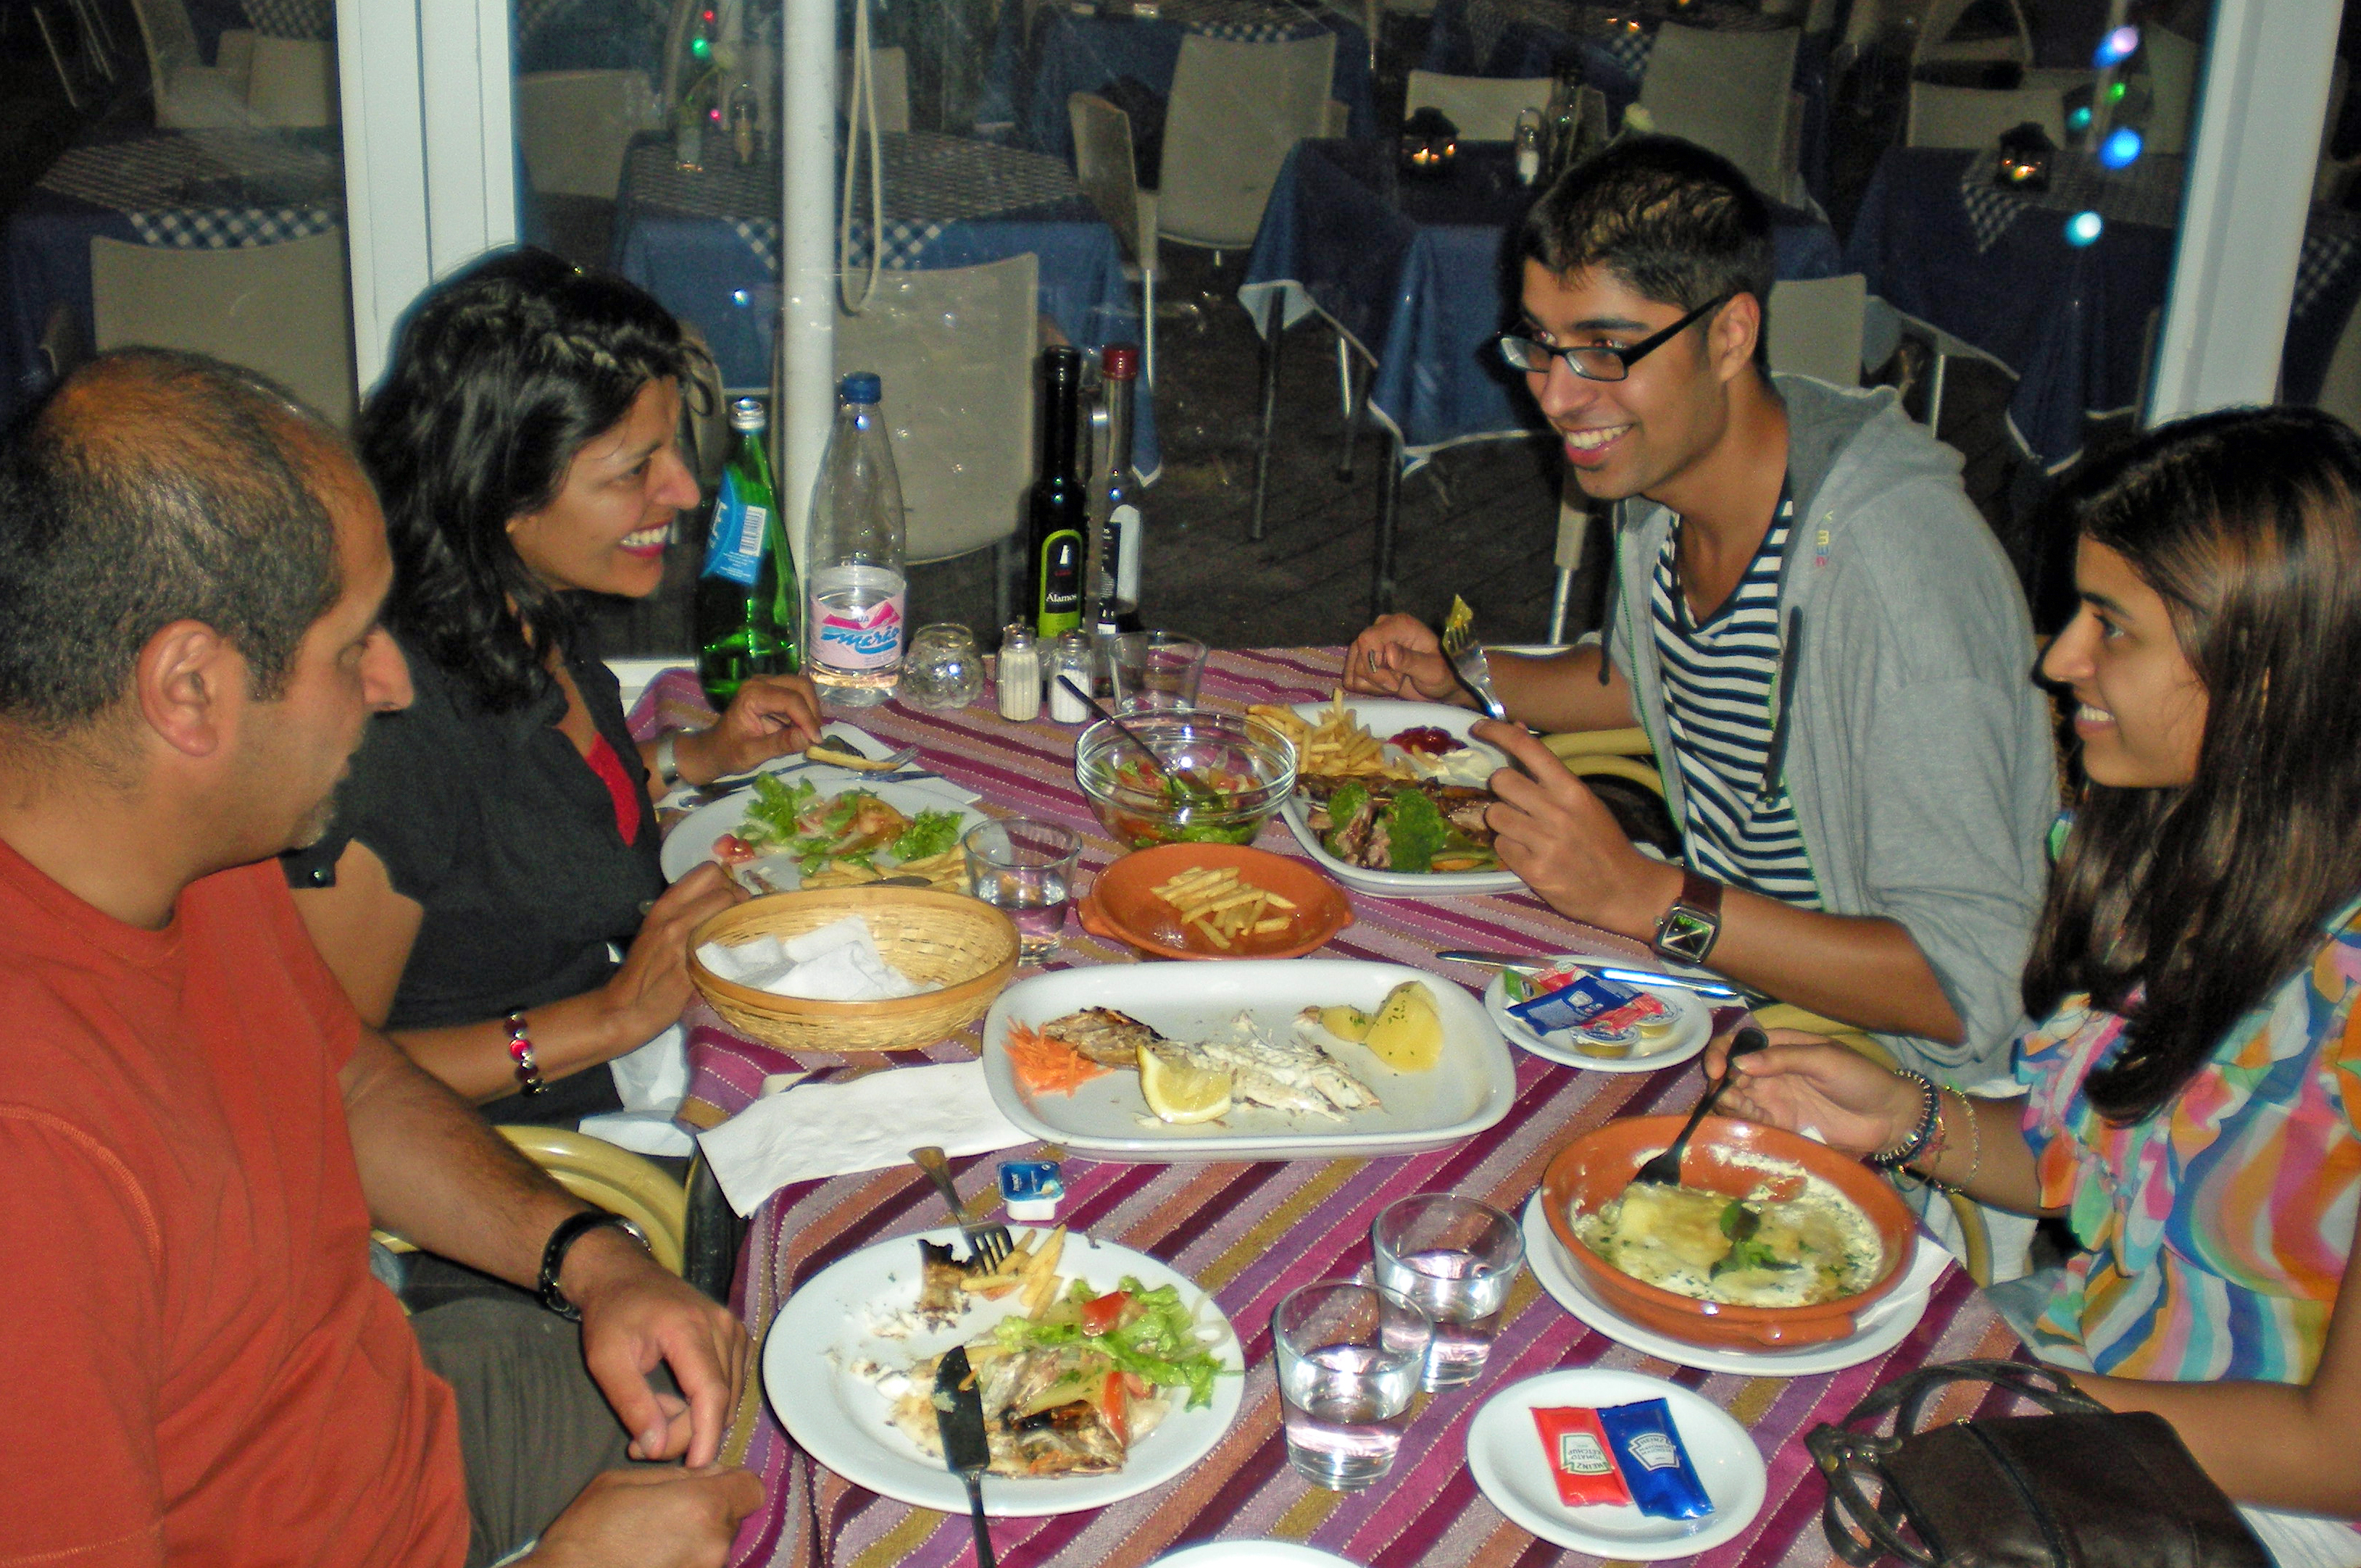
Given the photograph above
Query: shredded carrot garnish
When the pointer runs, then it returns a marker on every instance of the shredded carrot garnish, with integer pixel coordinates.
(1045, 1066)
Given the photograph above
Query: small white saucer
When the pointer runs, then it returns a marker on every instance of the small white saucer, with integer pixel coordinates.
(1251, 1554)
(1506, 1456)
(1878, 1330)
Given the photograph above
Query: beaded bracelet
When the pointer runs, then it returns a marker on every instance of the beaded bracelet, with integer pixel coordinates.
(528, 1069)
(1975, 1149)
(1930, 1116)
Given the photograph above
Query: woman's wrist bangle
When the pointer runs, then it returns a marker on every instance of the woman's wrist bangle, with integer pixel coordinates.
(667, 764)
(1929, 1118)
(1975, 1147)
(527, 1068)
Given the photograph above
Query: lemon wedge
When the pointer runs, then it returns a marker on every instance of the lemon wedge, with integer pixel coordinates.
(1179, 1093)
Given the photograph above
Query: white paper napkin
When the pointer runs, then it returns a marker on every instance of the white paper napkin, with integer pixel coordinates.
(652, 1081)
(838, 962)
(834, 1129)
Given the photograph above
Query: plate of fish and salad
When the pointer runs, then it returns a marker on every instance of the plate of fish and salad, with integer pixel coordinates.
(1298, 1058)
(1680, 1033)
(1088, 1399)
(828, 828)
(1389, 796)
(1877, 1330)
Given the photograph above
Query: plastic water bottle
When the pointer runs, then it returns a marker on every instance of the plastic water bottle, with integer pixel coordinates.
(854, 633)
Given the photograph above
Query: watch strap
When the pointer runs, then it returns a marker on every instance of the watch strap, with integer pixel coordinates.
(667, 764)
(572, 1229)
(1688, 931)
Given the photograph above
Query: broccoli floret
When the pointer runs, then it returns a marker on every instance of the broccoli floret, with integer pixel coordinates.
(1415, 831)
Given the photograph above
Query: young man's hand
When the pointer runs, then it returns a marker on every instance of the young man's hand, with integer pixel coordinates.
(1552, 831)
(1398, 657)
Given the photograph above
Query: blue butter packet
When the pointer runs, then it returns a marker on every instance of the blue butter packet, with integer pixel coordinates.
(1654, 1463)
(1575, 1004)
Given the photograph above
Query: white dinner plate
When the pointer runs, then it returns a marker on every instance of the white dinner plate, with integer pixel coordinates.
(1251, 1554)
(1467, 1090)
(843, 1421)
(1506, 1456)
(690, 845)
(1385, 718)
(1693, 1028)
(1877, 1330)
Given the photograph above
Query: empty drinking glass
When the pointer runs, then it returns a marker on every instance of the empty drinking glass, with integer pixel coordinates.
(1349, 1357)
(1455, 1258)
(1025, 869)
(1156, 669)
(942, 668)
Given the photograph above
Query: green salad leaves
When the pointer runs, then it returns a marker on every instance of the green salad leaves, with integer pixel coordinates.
(787, 819)
(1159, 1346)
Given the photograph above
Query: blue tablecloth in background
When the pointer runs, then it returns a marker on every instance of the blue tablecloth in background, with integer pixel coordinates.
(707, 250)
(1417, 273)
(1936, 243)
(1073, 54)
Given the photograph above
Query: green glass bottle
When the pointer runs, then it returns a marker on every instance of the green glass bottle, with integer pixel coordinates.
(749, 605)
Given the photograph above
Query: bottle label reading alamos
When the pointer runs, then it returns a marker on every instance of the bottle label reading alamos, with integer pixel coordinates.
(858, 639)
(733, 548)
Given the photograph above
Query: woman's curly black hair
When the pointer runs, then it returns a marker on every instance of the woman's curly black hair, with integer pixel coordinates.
(500, 375)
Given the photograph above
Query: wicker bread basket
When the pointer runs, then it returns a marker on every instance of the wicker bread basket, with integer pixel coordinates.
(948, 939)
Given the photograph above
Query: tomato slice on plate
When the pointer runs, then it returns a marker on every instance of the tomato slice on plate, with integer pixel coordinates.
(1105, 1314)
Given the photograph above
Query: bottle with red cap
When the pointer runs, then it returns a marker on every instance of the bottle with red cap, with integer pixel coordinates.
(1114, 561)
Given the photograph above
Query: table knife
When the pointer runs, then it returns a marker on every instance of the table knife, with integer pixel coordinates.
(1524, 965)
(959, 1417)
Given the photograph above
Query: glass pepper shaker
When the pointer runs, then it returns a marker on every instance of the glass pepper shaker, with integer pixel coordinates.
(1019, 689)
(1072, 656)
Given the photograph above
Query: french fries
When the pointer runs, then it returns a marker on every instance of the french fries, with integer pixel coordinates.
(1030, 1269)
(1223, 906)
(946, 873)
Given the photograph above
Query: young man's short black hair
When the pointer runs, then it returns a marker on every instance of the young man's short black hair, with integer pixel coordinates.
(1671, 219)
(152, 486)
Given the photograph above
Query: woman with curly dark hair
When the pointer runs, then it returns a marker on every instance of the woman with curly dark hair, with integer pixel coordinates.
(495, 848)
(2194, 1074)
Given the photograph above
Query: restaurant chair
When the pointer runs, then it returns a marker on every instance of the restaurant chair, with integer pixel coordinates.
(189, 93)
(2340, 388)
(1728, 92)
(956, 348)
(1815, 327)
(615, 1179)
(889, 73)
(1976, 117)
(1103, 166)
(576, 126)
(284, 310)
(1934, 24)
(1236, 110)
(1484, 108)
(290, 83)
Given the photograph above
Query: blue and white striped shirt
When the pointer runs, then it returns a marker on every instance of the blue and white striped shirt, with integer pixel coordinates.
(1720, 679)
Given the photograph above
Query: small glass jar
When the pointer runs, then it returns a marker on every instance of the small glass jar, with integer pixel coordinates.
(1072, 656)
(943, 668)
(1019, 682)
(1529, 139)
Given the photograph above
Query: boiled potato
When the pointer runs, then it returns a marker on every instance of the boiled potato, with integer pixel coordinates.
(1346, 1023)
(1408, 1034)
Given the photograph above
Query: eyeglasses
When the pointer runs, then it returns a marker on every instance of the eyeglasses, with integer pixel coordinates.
(1598, 361)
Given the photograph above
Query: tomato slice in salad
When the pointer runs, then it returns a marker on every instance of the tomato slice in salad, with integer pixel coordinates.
(1114, 1402)
(733, 850)
(1108, 1312)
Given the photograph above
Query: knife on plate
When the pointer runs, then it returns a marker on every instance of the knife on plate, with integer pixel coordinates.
(959, 1417)
(1524, 965)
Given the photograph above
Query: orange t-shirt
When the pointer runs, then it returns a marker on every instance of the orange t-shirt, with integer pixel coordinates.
(198, 1366)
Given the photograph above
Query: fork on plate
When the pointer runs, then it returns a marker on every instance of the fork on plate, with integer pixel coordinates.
(988, 1244)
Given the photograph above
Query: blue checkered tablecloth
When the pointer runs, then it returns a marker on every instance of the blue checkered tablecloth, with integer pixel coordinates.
(207, 189)
(314, 20)
(1628, 34)
(1242, 21)
(2147, 193)
(932, 182)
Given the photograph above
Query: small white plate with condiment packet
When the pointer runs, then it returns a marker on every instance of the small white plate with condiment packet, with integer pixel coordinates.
(1251, 1554)
(1692, 1027)
(1506, 1456)
(1880, 1327)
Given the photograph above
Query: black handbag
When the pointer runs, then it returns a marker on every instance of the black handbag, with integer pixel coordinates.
(2083, 1486)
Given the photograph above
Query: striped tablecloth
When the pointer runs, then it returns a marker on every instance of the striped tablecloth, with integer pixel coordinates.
(1250, 1233)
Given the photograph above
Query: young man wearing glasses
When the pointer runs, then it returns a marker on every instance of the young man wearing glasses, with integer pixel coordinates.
(1823, 642)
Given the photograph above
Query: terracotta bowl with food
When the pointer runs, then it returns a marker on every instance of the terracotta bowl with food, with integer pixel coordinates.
(1225, 775)
(1733, 1158)
(1123, 906)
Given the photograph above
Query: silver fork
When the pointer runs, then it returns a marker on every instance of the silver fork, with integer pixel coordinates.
(989, 1244)
(706, 793)
(1466, 657)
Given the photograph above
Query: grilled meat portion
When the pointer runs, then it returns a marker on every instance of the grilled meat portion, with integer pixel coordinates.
(1104, 1035)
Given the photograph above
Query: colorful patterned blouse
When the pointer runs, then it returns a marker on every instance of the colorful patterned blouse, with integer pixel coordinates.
(2216, 1231)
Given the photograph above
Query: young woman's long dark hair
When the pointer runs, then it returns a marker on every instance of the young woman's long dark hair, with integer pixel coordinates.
(500, 375)
(2185, 908)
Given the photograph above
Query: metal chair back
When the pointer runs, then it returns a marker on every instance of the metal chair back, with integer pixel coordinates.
(576, 125)
(1976, 116)
(1815, 327)
(1728, 92)
(1238, 109)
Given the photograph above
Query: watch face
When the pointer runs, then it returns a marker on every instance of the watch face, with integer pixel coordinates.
(1687, 934)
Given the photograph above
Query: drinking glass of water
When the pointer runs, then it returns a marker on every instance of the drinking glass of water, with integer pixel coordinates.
(1455, 1258)
(1155, 669)
(1349, 1358)
(1026, 870)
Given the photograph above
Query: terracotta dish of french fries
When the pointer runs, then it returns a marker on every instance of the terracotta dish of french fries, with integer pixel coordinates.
(1214, 901)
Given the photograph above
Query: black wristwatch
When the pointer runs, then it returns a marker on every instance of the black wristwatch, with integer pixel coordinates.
(1688, 931)
(572, 1229)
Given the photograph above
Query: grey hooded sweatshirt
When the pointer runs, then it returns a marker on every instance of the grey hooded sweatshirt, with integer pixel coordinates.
(1915, 746)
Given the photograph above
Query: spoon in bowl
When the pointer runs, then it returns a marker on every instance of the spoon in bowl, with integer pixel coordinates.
(1184, 779)
(1664, 1171)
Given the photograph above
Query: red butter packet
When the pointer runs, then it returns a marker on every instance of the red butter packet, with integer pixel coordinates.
(1579, 1459)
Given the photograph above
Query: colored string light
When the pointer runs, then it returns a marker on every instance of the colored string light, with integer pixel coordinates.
(2083, 228)
(2122, 146)
(2117, 47)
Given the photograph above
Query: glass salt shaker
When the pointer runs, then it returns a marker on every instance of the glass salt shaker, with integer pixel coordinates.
(1072, 656)
(1529, 145)
(1020, 674)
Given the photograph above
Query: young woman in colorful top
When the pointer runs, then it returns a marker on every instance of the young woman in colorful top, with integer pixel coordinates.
(488, 891)
(2195, 1078)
